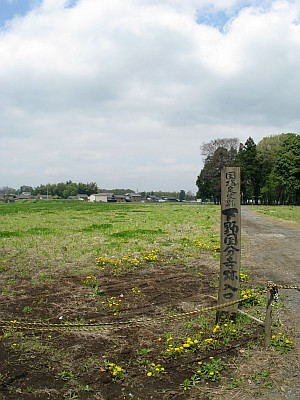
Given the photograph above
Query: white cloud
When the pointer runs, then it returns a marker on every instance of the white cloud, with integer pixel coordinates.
(124, 93)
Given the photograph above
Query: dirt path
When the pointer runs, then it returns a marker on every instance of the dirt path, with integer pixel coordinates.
(273, 247)
(271, 252)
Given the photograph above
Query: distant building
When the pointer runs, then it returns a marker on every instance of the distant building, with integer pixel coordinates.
(100, 197)
(81, 197)
(119, 198)
(24, 196)
(133, 197)
(167, 199)
(151, 198)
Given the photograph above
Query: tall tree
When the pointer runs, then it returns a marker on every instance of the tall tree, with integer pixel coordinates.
(267, 152)
(25, 188)
(250, 171)
(70, 190)
(87, 188)
(287, 168)
(6, 190)
(209, 179)
(209, 148)
(182, 195)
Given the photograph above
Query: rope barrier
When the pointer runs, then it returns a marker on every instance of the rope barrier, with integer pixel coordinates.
(40, 326)
(275, 285)
(44, 326)
(47, 326)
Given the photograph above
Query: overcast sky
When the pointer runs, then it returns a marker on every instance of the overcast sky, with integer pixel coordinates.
(124, 92)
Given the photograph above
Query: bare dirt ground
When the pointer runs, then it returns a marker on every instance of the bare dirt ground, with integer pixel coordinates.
(271, 253)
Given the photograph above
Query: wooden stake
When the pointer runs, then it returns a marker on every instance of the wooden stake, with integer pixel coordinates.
(253, 318)
(229, 286)
(268, 319)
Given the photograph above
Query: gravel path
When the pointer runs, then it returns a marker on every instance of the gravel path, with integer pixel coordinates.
(271, 252)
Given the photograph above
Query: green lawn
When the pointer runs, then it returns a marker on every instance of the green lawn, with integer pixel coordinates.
(291, 213)
(41, 240)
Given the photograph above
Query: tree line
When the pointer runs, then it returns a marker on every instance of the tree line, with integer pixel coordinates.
(270, 169)
(63, 190)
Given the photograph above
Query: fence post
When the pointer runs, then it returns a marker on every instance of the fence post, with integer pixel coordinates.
(268, 318)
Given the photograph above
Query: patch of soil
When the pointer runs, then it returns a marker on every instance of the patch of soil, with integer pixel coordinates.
(42, 363)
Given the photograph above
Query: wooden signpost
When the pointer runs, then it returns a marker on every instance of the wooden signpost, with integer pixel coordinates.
(230, 241)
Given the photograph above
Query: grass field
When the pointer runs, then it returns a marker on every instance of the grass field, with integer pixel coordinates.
(91, 268)
(46, 239)
(289, 213)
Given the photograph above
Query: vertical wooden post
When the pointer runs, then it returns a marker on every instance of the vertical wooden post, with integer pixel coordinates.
(268, 318)
(230, 241)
